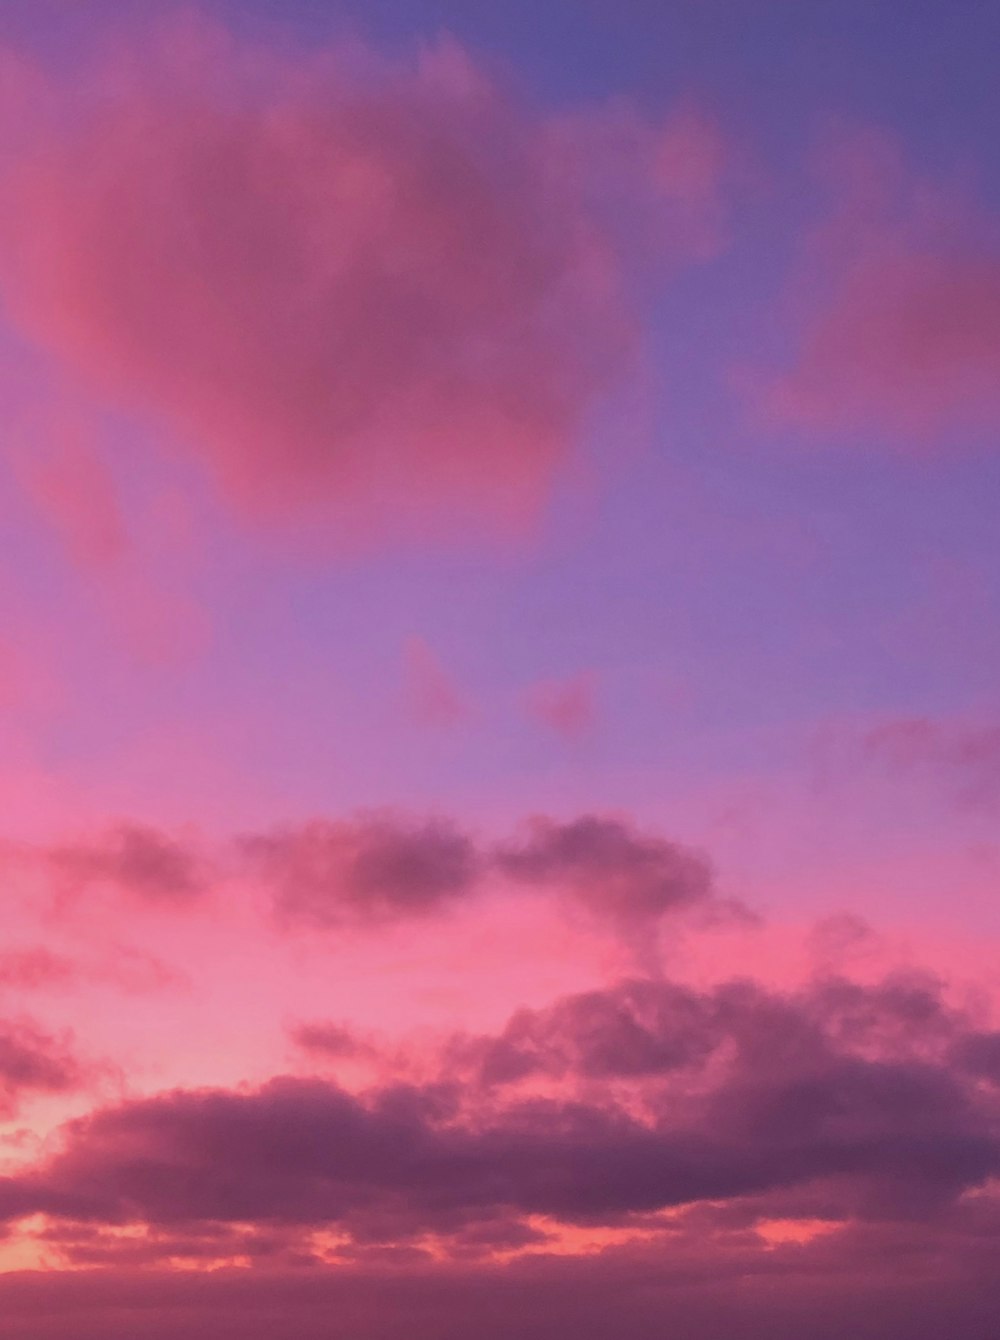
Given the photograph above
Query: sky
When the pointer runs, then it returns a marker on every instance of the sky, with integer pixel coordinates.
(499, 645)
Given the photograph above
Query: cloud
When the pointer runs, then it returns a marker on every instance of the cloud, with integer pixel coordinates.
(369, 871)
(432, 696)
(34, 969)
(884, 1097)
(617, 873)
(76, 494)
(383, 288)
(567, 706)
(902, 335)
(33, 1062)
(963, 755)
(334, 1041)
(140, 861)
(884, 1288)
(377, 868)
(634, 1030)
(641, 1029)
(380, 868)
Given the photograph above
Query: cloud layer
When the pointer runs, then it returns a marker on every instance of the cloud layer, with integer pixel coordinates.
(871, 1103)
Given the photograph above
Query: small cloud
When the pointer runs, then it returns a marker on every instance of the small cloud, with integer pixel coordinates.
(962, 755)
(373, 870)
(432, 696)
(140, 861)
(34, 1062)
(566, 706)
(618, 874)
(902, 331)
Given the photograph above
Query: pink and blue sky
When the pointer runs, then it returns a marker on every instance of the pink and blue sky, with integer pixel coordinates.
(499, 661)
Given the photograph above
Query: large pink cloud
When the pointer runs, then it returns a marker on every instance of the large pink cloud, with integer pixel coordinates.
(381, 283)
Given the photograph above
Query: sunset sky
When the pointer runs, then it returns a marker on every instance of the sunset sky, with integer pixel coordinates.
(499, 663)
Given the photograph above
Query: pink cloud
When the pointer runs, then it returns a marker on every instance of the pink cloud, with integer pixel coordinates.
(676, 176)
(33, 1061)
(32, 969)
(381, 287)
(567, 706)
(76, 495)
(901, 328)
(962, 755)
(372, 870)
(432, 696)
(717, 1121)
(375, 870)
(691, 168)
(130, 559)
(141, 861)
(330, 1040)
(622, 876)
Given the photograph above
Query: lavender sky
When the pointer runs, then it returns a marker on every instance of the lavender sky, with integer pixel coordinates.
(499, 729)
